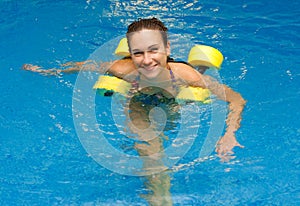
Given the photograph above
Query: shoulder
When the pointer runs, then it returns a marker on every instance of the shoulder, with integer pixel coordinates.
(186, 73)
(122, 67)
(128, 63)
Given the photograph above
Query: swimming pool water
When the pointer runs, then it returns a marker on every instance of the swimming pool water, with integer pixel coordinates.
(42, 159)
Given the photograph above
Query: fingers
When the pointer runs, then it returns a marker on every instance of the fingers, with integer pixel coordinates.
(30, 67)
(225, 153)
(25, 66)
(239, 145)
(227, 156)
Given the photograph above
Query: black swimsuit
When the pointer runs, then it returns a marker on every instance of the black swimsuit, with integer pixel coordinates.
(157, 98)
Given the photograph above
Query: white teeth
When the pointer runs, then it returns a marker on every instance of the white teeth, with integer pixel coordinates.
(149, 68)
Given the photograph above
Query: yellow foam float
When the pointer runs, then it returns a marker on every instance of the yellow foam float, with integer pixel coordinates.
(122, 48)
(202, 55)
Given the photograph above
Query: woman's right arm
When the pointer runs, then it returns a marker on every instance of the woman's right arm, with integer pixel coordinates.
(119, 68)
(67, 68)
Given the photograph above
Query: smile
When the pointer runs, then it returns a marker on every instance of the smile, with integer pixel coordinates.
(150, 68)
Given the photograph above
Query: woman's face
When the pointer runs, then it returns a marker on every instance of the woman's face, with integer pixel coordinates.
(148, 53)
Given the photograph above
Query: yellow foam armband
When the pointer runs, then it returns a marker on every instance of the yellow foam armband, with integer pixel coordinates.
(194, 94)
(122, 49)
(109, 84)
(202, 55)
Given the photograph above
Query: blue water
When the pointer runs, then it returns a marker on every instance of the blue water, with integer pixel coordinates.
(42, 159)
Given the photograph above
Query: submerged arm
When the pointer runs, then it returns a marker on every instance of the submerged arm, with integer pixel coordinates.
(236, 105)
(235, 101)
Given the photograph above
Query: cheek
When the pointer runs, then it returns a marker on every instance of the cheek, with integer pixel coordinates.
(163, 59)
(136, 61)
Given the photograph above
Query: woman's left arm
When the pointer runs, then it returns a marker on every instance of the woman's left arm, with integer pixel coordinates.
(236, 105)
(235, 101)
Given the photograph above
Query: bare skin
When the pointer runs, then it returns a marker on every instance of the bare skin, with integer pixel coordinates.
(67, 68)
(236, 105)
(125, 69)
(151, 74)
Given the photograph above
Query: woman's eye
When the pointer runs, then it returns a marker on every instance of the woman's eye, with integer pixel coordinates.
(154, 50)
(138, 53)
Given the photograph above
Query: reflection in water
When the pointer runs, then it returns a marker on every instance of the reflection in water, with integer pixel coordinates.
(159, 189)
(158, 179)
(149, 116)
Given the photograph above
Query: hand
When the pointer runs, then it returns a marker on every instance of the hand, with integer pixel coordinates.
(38, 69)
(225, 145)
(30, 67)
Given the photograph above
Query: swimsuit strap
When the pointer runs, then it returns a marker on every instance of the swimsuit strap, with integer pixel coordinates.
(174, 84)
(135, 83)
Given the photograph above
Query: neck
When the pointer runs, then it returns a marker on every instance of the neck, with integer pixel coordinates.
(162, 80)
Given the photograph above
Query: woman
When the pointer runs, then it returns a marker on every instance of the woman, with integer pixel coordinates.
(151, 69)
(156, 81)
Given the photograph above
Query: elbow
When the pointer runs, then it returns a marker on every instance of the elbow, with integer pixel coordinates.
(237, 101)
(242, 101)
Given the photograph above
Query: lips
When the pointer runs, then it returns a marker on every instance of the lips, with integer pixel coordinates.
(150, 68)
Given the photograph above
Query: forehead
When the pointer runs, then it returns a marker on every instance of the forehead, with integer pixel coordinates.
(145, 38)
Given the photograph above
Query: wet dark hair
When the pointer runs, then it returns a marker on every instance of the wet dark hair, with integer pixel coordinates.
(150, 24)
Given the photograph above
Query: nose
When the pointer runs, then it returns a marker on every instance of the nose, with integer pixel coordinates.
(147, 58)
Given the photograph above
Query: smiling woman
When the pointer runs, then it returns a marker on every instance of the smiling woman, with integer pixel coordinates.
(154, 81)
(151, 72)
(44, 163)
